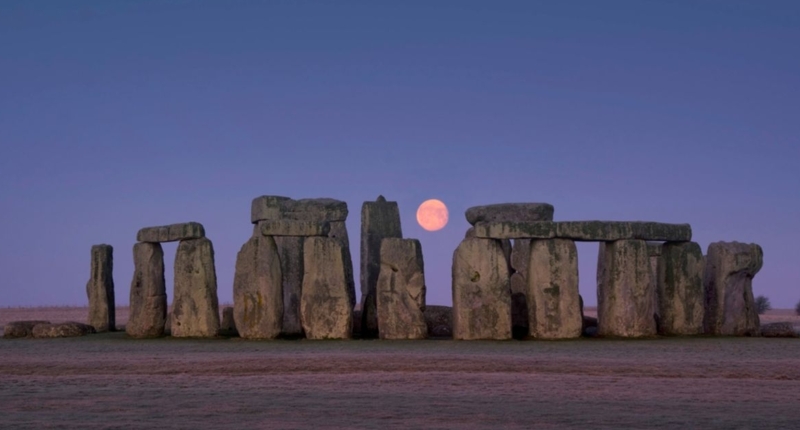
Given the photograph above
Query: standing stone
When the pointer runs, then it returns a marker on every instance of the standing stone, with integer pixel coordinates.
(654, 250)
(680, 289)
(379, 219)
(326, 309)
(625, 290)
(481, 291)
(728, 280)
(553, 300)
(258, 290)
(148, 302)
(268, 208)
(195, 310)
(100, 289)
(401, 290)
(290, 252)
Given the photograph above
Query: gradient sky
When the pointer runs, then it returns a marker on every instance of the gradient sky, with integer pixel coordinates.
(120, 115)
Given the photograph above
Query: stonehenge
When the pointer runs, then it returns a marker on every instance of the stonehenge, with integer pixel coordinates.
(514, 275)
(100, 289)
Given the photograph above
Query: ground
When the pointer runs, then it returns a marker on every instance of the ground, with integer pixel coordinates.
(111, 381)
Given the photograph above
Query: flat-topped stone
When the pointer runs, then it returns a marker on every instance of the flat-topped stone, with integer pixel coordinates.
(171, 233)
(267, 207)
(512, 212)
(588, 231)
(291, 227)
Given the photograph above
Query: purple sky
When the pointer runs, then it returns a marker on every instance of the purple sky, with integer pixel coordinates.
(120, 115)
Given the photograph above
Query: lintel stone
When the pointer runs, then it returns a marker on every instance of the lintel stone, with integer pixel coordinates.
(288, 227)
(171, 233)
(590, 231)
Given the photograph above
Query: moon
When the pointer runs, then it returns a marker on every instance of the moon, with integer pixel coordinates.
(432, 215)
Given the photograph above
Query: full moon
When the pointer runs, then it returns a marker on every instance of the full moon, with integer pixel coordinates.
(432, 215)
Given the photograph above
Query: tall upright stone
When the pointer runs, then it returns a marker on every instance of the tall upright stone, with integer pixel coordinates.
(258, 290)
(326, 302)
(625, 289)
(195, 309)
(481, 292)
(728, 282)
(148, 299)
(654, 250)
(100, 289)
(680, 289)
(401, 290)
(290, 252)
(379, 219)
(554, 302)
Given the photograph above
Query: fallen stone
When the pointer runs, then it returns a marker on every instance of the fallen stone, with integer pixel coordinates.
(171, 233)
(258, 290)
(680, 289)
(439, 320)
(326, 302)
(148, 294)
(290, 227)
(401, 290)
(607, 231)
(512, 212)
(228, 325)
(779, 329)
(625, 289)
(515, 230)
(195, 309)
(554, 305)
(290, 252)
(67, 329)
(18, 329)
(100, 289)
(268, 208)
(728, 282)
(481, 291)
(379, 219)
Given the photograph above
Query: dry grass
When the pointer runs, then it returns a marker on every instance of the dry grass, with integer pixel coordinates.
(111, 381)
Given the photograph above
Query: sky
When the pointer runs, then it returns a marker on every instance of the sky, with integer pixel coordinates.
(121, 115)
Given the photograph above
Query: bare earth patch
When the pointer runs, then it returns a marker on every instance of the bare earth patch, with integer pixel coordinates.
(111, 381)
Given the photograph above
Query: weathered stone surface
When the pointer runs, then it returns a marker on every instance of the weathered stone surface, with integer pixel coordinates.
(172, 232)
(521, 255)
(401, 290)
(679, 289)
(779, 329)
(326, 302)
(654, 250)
(554, 308)
(290, 251)
(291, 227)
(728, 282)
(595, 231)
(100, 289)
(625, 289)
(515, 230)
(18, 329)
(481, 291)
(513, 212)
(318, 209)
(195, 309)
(439, 320)
(469, 233)
(227, 327)
(379, 219)
(67, 329)
(268, 208)
(258, 289)
(148, 297)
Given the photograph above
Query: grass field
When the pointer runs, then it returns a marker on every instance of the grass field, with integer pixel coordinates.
(111, 381)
